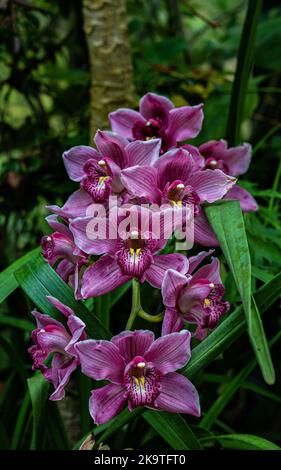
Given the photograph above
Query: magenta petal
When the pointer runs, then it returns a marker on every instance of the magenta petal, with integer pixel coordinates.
(102, 277)
(123, 121)
(133, 343)
(113, 146)
(141, 182)
(211, 185)
(76, 205)
(106, 402)
(185, 122)
(194, 261)
(101, 360)
(155, 273)
(172, 322)
(65, 269)
(143, 153)
(43, 320)
(75, 158)
(171, 352)
(57, 226)
(84, 233)
(66, 311)
(178, 395)
(237, 159)
(199, 160)
(247, 201)
(173, 282)
(63, 373)
(155, 106)
(174, 165)
(210, 271)
(203, 232)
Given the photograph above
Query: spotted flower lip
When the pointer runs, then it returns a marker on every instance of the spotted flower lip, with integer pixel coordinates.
(52, 337)
(126, 257)
(141, 371)
(98, 171)
(175, 178)
(59, 247)
(195, 297)
(158, 118)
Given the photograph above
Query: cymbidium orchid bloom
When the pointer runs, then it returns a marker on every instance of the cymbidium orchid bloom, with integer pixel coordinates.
(175, 179)
(98, 171)
(234, 161)
(141, 371)
(195, 297)
(51, 337)
(132, 254)
(158, 118)
(59, 247)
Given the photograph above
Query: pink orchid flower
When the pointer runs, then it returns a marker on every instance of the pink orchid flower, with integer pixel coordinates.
(52, 337)
(59, 247)
(195, 298)
(130, 255)
(141, 371)
(158, 118)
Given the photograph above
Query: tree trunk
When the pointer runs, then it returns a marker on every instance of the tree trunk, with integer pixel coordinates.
(105, 26)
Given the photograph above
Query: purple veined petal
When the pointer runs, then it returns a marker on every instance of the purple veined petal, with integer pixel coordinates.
(236, 158)
(172, 322)
(75, 158)
(123, 121)
(210, 271)
(194, 261)
(185, 122)
(173, 282)
(178, 395)
(66, 311)
(247, 201)
(155, 273)
(101, 360)
(102, 277)
(143, 153)
(193, 296)
(84, 230)
(65, 269)
(52, 338)
(76, 326)
(112, 145)
(203, 232)
(142, 182)
(57, 226)
(199, 160)
(106, 402)
(177, 164)
(43, 320)
(171, 352)
(75, 206)
(211, 185)
(156, 106)
(64, 368)
(115, 172)
(133, 343)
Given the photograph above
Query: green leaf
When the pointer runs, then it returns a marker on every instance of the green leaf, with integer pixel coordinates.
(56, 427)
(229, 390)
(243, 70)
(16, 323)
(246, 442)
(38, 280)
(38, 389)
(227, 221)
(8, 282)
(118, 293)
(174, 429)
(21, 422)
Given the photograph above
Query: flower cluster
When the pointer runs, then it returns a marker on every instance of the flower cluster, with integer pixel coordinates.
(144, 160)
